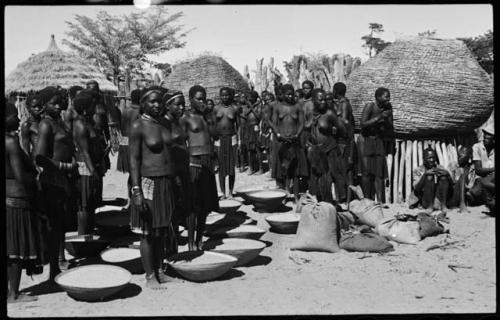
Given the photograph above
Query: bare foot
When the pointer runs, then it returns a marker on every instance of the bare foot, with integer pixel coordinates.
(429, 210)
(64, 264)
(153, 283)
(463, 210)
(163, 278)
(22, 297)
(53, 274)
(199, 245)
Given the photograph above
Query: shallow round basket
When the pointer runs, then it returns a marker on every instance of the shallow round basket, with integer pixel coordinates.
(284, 223)
(114, 223)
(114, 201)
(128, 258)
(201, 265)
(223, 220)
(243, 231)
(93, 282)
(267, 200)
(245, 250)
(229, 206)
(80, 246)
(244, 191)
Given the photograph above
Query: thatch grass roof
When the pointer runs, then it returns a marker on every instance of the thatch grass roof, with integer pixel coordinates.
(54, 67)
(209, 71)
(437, 87)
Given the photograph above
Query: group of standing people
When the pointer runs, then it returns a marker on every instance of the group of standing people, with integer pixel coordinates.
(56, 162)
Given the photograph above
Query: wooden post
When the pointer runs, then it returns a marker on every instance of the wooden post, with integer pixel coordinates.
(408, 169)
(401, 171)
(388, 182)
(439, 153)
(395, 175)
(420, 150)
(446, 159)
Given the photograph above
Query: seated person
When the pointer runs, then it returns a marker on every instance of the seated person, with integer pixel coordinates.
(483, 158)
(431, 184)
(462, 174)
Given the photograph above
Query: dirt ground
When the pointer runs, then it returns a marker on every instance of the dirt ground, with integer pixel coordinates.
(283, 282)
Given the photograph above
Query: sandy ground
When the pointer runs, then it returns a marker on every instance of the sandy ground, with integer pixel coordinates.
(284, 282)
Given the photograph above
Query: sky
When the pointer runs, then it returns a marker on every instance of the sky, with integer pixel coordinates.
(244, 33)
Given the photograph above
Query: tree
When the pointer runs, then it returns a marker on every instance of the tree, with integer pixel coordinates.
(482, 49)
(121, 45)
(427, 33)
(374, 44)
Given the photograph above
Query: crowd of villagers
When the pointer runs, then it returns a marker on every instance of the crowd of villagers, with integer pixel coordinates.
(55, 163)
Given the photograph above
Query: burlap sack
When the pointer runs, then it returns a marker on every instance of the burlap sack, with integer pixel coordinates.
(365, 242)
(317, 230)
(400, 231)
(367, 211)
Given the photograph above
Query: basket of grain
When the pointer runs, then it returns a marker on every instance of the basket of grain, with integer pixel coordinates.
(128, 258)
(93, 282)
(114, 223)
(245, 190)
(114, 201)
(267, 200)
(201, 265)
(245, 250)
(243, 231)
(229, 206)
(80, 246)
(284, 223)
(217, 220)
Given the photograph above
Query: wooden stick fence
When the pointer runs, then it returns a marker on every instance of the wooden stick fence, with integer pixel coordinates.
(409, 155)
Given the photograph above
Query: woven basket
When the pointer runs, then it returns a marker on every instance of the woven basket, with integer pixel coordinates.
(437, 87)
(245, 250)
(229, 206)
(202, 265)
(265, 203)
(284, 223)
(79, 291)
(243, 231)
(114, 223)
(84, 245)
(211, 72)
(133, 264)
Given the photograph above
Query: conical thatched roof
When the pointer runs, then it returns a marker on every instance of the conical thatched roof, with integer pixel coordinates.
(211, 72)
(54, 67)
(437, 87)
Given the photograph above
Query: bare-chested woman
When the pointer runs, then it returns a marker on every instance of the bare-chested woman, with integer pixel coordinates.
(90, 151)
(70, 114)
(29, 128)
(343, 109)
(199, 125)
(242, 107)
(128, 116)
(376, 142)
(226, 124)
(175, 106)
(54, 153)
(20, 233)
(324, 127)
(253, 117)
(152, 172)
(288, 123)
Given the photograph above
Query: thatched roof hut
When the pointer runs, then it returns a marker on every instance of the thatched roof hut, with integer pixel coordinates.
(211, 72)
(437, 87)
(54, 67)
